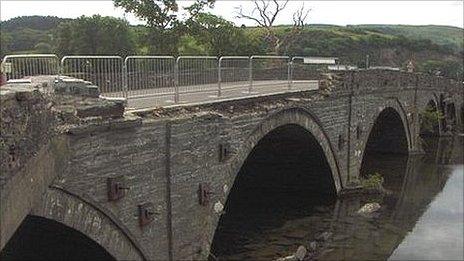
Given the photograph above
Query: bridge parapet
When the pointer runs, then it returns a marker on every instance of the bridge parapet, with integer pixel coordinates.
(378, 79)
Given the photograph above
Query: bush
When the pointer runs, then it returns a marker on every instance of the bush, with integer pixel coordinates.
(430, 118)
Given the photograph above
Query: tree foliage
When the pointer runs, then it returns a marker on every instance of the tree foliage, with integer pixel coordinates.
(94, 35)
(429, 118)
(219, 36)
(162, 18)
(159, 14)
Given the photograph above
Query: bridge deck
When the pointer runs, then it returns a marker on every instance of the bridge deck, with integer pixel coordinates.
(164, 97)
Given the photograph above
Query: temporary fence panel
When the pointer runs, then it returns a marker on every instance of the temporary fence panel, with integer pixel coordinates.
(234, 72)
(197, 74)
(269, 71)
(305, 71)
(150, 76)
(23, 65)
(104, 71)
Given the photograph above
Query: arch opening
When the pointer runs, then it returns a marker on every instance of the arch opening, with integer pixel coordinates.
(39, 238)
(461, 114)
(450, 117)
(387, 139)
(284, 177)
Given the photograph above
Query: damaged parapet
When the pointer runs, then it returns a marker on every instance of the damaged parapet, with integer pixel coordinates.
(73, 86)
(36, 109)
(70, 97)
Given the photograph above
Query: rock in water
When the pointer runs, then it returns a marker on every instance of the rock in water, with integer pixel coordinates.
(298, 256)
(287, 258)
(313, 245)
(300, 253)
(368, 209)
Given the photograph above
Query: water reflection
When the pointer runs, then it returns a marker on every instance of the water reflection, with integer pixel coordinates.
(421, 219)
(438, 234)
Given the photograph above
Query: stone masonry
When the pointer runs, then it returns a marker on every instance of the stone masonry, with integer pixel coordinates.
(61, 146)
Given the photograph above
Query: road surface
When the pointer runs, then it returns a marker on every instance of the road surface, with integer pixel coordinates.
(164, 97)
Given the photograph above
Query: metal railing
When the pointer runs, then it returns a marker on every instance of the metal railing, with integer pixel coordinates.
(233, 72)
(23, 65)
(104, 71)
(304, 72)
(196, 74)
(269, 70)
(166, 76)
(149, 76)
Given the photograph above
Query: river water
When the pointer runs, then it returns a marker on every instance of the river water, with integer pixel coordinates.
(420, 219)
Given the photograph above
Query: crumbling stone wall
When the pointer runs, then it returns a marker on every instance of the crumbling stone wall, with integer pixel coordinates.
(27, 124)
(34, 115)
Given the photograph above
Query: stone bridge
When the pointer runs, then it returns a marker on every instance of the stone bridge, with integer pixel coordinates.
(152, 184)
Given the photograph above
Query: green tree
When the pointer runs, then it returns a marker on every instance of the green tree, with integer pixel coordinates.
(220, 36)
(188, 45)
(161, 16)
(94, 35)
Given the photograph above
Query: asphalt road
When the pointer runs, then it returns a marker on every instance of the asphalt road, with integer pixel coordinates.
(164, 97)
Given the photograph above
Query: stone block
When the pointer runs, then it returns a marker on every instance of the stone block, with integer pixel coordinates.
(76, 87)
(101, 109)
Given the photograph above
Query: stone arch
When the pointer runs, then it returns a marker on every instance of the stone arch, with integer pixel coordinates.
(82, 215)
(451, 115)
(458, 111)
(398, 108)
(461, 117)
(435, 99)
(293, 128)
(395, 106)
(296, 116)
(39, 238)
(432, 97)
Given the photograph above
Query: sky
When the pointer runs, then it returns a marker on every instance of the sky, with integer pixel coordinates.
(322, 12)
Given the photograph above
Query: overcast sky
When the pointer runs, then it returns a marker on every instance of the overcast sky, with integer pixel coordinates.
(325, 12)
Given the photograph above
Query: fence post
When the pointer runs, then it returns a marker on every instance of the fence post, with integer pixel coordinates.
(125, 79)
(176, 81)
(250, 74)
(289, 73)
(219, 76)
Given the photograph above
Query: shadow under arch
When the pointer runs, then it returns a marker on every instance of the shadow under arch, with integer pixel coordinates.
(81, 215)
(40, 238)
(461, 115)
(388, 135)
(296, 116)
(285, 173)
(450, 117)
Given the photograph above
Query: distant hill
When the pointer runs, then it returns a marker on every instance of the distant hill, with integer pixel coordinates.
(443, 35)
(35, 22)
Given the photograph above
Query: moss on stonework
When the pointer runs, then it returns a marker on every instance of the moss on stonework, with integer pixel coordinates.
(374, 181)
